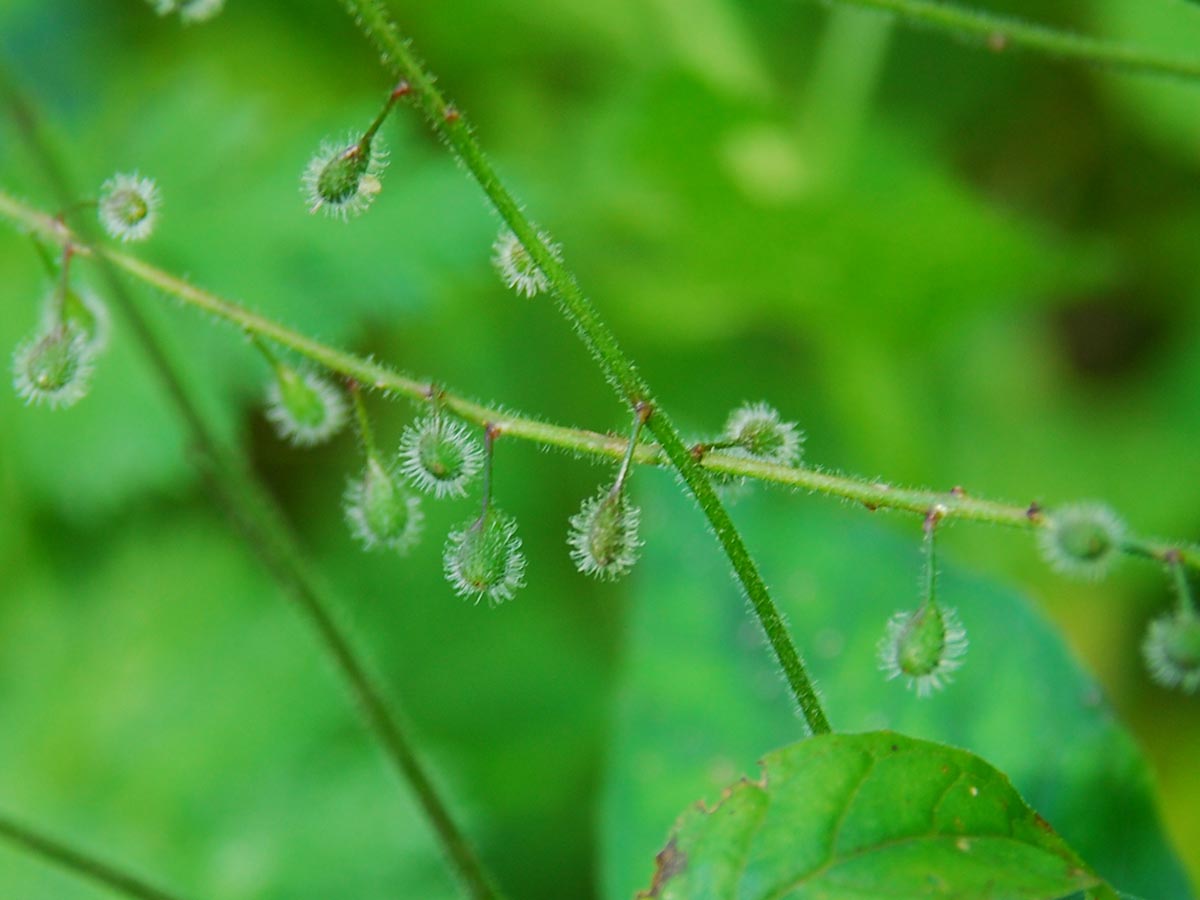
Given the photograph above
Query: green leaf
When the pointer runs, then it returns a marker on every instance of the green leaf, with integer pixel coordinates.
(869, 816)
(700, 700)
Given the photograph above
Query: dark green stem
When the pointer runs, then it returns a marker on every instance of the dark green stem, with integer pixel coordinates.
(81, 864)
(269, 535)
(1003, 32)
(1183, 587)
(618, 368)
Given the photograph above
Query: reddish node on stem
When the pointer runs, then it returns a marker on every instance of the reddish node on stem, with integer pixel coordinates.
(451, 115)
(698, 451)
(402, 89)
(997, 42)
(1034, 512)
(958, 491)
(1172, 556)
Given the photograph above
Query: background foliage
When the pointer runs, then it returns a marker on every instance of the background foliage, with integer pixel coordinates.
(951, 267)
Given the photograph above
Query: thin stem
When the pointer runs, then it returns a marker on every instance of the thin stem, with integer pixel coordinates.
(89, 867)
(58, 299)
(640, 415)
(365, 432)
(702, 450)
(269, 535)
(369, 135)
(269, 355)
(44, 255)
(489, 451)
(1183, 588)
(930, 528)
(872, 494)
(76, 207)
(617, 367)
(1002, 32)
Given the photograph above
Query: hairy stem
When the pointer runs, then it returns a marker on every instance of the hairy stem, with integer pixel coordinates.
(79, 863)
(1002, 32)
(631, 388)
(874, 495)
(270, 536)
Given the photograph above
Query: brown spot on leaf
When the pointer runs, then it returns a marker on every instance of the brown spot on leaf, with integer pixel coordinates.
(1042, 824)
(669, 862)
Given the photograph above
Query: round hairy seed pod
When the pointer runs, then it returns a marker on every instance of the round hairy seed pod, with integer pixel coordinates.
(1082, 540)
(382, 511)
(440, 456)
(343, 178)
(192, 11)
(1171, 649)
(924, 646)
(128, 207)
(756, 430)
(54, 368)
(517, 268)
(305, 408)
(604, 535)
(484, 559)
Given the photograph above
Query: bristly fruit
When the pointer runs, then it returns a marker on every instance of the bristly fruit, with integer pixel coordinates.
(757, 430)
(604, 535)
(924, 646)
(128, 207)
(516, 266)
(305, 408)
(54, 368)
(484, 558)
(1172, 650)
(440, 456)
(381, 509)
(343, 178)
(190, 11)
(1082, 540)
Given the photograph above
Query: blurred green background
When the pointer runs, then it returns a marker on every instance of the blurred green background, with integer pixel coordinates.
(950, 266)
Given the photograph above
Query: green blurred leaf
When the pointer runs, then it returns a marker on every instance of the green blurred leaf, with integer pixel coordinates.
(701, 699)
(844, 817)
(168, 710)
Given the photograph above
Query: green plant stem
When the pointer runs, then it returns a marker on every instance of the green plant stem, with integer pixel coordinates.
(639, 421)
(874, 495)
(1003, 32)
(449, 123)
(930, 527)
(366, 433)
(266, 530)
(1183, 589)
(81, 864)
